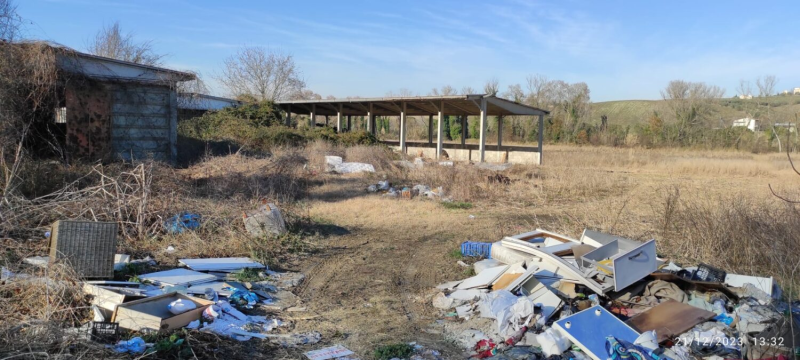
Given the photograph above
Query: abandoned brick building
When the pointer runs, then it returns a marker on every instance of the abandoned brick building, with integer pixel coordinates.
(109, 109)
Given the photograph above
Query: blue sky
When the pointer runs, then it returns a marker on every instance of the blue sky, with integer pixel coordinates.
(623, 50)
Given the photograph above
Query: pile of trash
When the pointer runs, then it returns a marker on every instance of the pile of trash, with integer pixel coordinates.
(546, 295)
(387, 189)
(197, 293)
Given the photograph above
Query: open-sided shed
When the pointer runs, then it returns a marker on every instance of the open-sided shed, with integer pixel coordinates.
(481, 105)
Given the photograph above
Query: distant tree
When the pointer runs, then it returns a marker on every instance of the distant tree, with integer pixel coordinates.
(745, 88)
(766, 85)
(690, 103)
(9, 20)
(261, 73)
(492, 86)
(111, 42)
(306, 94)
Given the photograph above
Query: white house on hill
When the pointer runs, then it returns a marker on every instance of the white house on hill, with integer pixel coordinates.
(748, 122)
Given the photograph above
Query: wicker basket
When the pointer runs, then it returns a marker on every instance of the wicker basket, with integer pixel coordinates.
(87, 246)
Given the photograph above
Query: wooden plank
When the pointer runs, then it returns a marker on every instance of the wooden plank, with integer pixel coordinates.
(669, 319)
(504, 281)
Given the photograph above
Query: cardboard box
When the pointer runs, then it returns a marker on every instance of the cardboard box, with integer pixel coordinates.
(151, 314)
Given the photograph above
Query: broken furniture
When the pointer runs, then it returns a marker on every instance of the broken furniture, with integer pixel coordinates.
(625, 262)
(588, 329)
(152, 314)
(221, 264)
(107, 298)
(669, 319)
(87, 246)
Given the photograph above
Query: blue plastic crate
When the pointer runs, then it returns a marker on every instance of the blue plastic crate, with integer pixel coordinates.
(471, 248)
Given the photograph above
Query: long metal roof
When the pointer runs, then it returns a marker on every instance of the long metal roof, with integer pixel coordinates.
(415, 106)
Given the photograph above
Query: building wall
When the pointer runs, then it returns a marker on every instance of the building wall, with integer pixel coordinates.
(494, 156)
(121, 121)
(144, 122)
(88, 127)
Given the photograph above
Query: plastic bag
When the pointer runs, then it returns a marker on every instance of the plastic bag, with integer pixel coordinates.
(552, 342)
(181, 306)
(133, 346)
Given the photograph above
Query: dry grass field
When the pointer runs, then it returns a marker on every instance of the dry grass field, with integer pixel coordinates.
(374, 282)
(371, 262)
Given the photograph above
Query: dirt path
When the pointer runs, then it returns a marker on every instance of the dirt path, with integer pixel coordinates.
(372, 285)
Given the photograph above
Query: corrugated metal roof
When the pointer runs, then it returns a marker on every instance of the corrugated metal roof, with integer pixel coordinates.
(415, 106)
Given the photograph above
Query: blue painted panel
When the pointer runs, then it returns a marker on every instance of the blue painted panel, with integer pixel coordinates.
(589, 328)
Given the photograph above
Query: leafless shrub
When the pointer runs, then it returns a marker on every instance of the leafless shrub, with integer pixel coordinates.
(111, 42)
(9, 20)
(744, 235)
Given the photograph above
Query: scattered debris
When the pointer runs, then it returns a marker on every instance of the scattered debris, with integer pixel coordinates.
(88, 246)
(221, 264)
(182, 222)
(331, 352)
(335, 164)
(266, 220)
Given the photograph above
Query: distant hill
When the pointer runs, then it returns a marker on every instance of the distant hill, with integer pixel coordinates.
(629, 112)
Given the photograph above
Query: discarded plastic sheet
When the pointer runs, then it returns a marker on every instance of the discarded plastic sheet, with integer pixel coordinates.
(335, 164)
(669, 318)
(588, 329)
(331, 352)
(484, 279)
(182, 222)
(178, 277)
(40, 261)
(221, 264)
(762, 283)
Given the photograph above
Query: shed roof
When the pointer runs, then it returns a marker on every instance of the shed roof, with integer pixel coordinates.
(415, 106)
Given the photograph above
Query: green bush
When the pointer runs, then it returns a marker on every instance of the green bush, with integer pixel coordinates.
(391, 351)
(259, 127)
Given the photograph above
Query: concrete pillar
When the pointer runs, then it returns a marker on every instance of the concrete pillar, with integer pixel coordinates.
(463, 130)
(403, 148)
(370, 122)
(483, 130)
(430, 129)
(312, 118)
(541, 138)
(339, 119)
(499, 133)
(439, 131)
(289, 115)
(349, 123)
